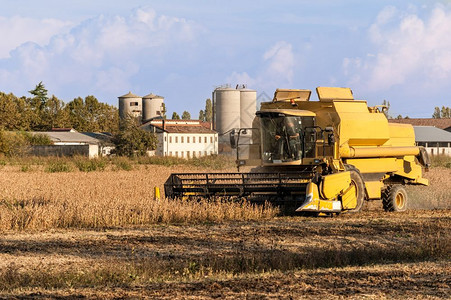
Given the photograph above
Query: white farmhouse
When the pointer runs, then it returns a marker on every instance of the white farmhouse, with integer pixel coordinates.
(183, 138)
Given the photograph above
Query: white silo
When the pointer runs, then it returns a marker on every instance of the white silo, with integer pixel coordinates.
(130, 105)
(248, 107)
(227, 111)
(152, 106)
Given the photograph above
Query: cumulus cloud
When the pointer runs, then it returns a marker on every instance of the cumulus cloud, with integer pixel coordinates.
(277, 69)
(17, 30)
(408, 48)
(102, 53)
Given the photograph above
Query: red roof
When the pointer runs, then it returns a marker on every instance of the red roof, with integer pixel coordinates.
(442, 123)
(181, 126)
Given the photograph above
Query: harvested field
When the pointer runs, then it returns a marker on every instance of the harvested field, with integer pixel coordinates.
(101, 235)
(371, 255)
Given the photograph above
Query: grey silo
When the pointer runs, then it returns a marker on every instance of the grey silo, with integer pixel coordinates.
(248, 107)
(152, 106)
(227, 109)
(130, 104)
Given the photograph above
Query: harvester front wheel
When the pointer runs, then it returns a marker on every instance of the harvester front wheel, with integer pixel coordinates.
(357, 182)
(394, 198)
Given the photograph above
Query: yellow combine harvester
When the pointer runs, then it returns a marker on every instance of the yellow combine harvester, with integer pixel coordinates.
(323, 156)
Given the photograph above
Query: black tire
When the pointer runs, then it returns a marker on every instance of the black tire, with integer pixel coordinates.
(394, 198)
(357, 181)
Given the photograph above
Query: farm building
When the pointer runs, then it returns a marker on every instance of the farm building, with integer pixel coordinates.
(183, 138)
(69, 142)
(435, 140)
(442, 123)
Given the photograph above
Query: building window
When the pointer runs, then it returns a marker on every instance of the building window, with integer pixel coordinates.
(176, 154)
(205, 140)
(211, 139)
(165, 138)
(176, 139)
(182, 141)
(200, 139)
(194, 139)
(170, 139)
(133, 103)
(187, 139)
(188, 154)
(182, 154)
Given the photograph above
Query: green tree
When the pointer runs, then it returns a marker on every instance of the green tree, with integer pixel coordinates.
(186, 115)
(445, 112)
(92, 116)
(175, 116)
(10, 117)
(163, 111)
(54, 115)
(208, 112)
(132, 140)
(386, 111)
(40, 96)
(13, 143)
(436, 114)
(201, 115)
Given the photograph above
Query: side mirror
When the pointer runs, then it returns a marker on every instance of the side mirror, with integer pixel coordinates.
(232, 139)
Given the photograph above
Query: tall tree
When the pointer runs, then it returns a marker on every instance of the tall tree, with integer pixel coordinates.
(40, 96)
(436, 114)
(186, 115)
(93, 116)
(208, 112)
(386, 111)
(132, 140)
(175, 116)
(201, 115)
(163, 110)
(445, 112)
(54, 115)
(9, 113)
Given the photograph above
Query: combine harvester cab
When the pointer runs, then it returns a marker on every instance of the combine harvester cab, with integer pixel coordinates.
(323, 156)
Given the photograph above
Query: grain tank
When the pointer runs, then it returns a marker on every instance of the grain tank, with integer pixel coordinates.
(323, 156)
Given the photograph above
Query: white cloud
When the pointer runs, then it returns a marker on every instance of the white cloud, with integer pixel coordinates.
(277, 69)
(409, 50)
(102, 53)
(16, 31)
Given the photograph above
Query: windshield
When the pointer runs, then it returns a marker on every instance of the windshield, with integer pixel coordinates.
(287, 138)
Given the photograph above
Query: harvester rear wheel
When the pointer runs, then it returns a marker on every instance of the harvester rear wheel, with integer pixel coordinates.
(357, 182)
(394, 198)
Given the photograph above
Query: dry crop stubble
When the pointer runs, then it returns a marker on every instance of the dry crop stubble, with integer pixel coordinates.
(40, 200)
(375, 253)
(216, 249)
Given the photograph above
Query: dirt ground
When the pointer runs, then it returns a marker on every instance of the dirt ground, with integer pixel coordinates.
(370, 255)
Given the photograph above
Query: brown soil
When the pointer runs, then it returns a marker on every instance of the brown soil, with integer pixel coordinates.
(369, 255)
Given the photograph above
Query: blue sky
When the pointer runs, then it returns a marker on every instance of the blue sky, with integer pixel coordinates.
(399, 51)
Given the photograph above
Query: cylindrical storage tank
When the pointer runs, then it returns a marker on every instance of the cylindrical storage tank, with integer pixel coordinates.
(227, 113)
(130, 104)
(152, 106)
(248, 107)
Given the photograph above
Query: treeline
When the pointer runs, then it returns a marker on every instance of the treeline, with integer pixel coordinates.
(205, 115)
(444, 112)
(42, 113)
